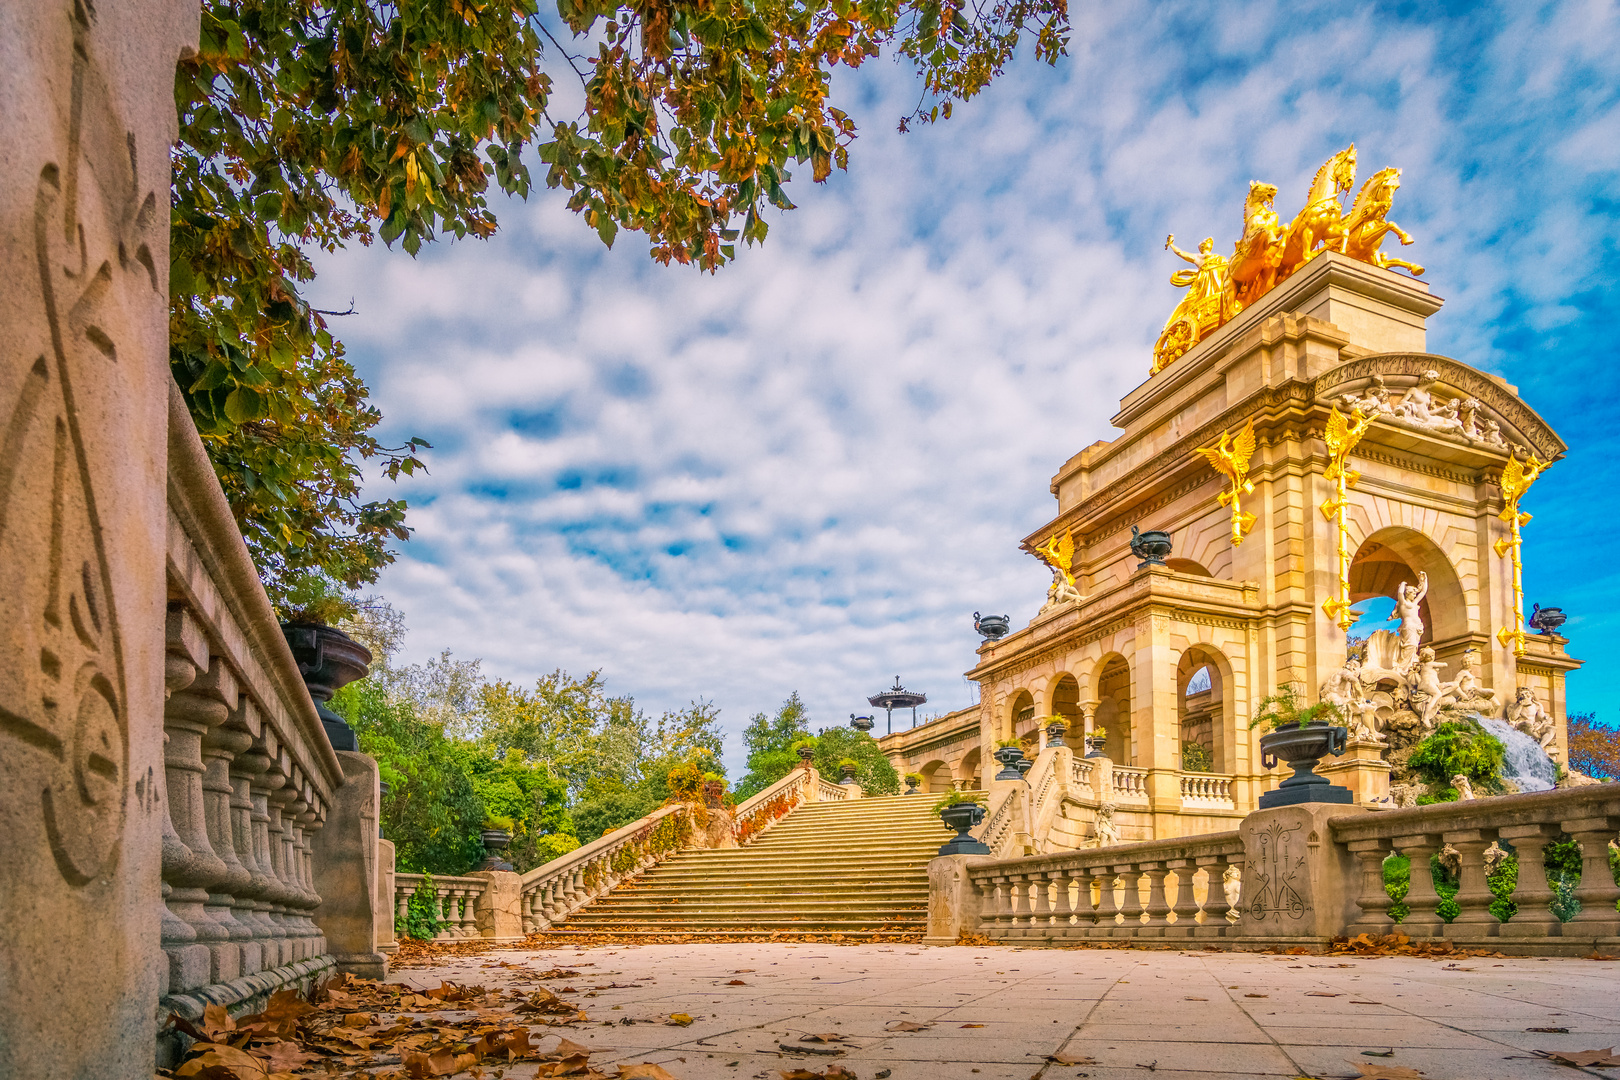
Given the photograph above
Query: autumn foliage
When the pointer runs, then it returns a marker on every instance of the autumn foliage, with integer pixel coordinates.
(310, 124)
(1594, 748)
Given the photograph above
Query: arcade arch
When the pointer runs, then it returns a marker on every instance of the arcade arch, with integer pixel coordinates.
(1113, 696)
(1204, 707)
(1396, 554)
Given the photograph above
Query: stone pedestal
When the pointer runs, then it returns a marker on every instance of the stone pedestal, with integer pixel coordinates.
(345, 857)
(1362, 769)
(500, 909)
(86, 119)
(953, 902)
(1298, 885)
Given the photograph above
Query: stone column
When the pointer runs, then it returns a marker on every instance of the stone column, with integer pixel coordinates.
(86, 120)
(345, 863)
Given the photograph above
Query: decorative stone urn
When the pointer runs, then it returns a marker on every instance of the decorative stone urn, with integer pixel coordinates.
(1547, 620)
(849, 774)
(962, 817)
(496, 842)
(1302, 748)
(329, 660)
(991, 627)
(1009, 756)
(861, 723)
(1095, 745)
(807, 754)
(1023, 765)
(911, 786)
(1151, 547)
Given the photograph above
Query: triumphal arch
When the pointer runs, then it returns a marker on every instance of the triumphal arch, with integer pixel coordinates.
(1297, 450)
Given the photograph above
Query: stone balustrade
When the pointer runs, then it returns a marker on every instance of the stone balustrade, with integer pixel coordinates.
(455, 905)
(564, 885)
(830, 792)
(1130, 785)
(1304, 875)
(1206, 790)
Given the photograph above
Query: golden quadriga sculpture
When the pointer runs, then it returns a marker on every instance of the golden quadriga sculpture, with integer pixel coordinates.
(1269, 251)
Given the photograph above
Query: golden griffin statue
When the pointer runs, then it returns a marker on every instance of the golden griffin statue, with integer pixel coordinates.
(1341, 436)
(1269, 250)
(1516, 480)
(1231, 457)
(1058, 554)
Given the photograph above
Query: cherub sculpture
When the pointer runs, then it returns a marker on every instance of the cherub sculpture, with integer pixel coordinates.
(1526, 713)
(1408, 601)
(1425, 687)
(1107, 830)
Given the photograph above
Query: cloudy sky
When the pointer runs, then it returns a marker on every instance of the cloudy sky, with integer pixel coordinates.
(808, 471)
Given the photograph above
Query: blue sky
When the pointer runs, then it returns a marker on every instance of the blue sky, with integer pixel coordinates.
(806, 472)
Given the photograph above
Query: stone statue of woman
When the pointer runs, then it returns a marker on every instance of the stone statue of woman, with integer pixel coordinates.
(1407, 599)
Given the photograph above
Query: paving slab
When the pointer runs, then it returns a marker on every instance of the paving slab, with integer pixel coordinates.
(996, 1012)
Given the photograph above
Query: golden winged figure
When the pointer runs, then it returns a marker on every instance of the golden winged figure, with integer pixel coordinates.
(1516, 480)
(1341, 435)
(1230, 457)
(1058, 553)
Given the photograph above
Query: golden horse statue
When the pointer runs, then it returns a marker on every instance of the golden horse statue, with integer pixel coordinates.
(1366, 227)
(1269, 251)
(1321, 223)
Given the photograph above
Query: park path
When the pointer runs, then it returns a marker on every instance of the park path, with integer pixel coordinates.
(999, 1012)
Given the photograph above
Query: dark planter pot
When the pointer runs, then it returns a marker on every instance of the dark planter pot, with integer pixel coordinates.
(991, 627)
(1055, 734)
(962, 817)
(1547, 620)
(911, 787)
(329, 660)
(495, 844)
(713, 794)
(1023, 766)
(849, 774)
(807, 754)
(1096, 744)
(861, 723)
(1009, 756)
(1302, 748)
(1150, 547)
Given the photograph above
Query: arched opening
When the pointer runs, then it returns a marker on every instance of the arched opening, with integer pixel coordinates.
(967, 770)
(1020, 715)
(1114, 709)
(1065, 703)
(1398, 554)
(1187, 566)
(936, 777)
(1201, 708)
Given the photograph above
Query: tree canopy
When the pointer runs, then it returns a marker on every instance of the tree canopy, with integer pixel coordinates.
(1594, 748)
(770, 742)
(311, 124)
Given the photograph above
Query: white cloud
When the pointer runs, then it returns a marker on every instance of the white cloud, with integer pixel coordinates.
(807, 471)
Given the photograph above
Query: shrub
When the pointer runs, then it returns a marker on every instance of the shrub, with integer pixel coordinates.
(1195, 757)
(422, 921)
(873, 771)
(915, 779)
(684, 782)
(957, 798)
(1458, 747)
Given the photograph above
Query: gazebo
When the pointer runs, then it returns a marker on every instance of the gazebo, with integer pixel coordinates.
(897, 697)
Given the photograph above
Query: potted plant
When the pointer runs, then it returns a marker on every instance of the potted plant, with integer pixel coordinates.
(1097, 742)
(960, 810)
(806, 749)
(327, 658)
(848, 767)
(1056, 728)
(497, 836)
(714, 790)
(1009, 752)
(1301, 735)
(913, 782)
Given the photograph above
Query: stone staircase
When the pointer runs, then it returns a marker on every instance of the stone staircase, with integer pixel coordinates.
(857, 868)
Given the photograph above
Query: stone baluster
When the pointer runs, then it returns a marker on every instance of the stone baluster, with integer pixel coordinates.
(1018, 891)
(1422, 917)
(1533, 894)
(1131, 875)
(1085, 909)
(1062, 903)
(316, 819)
(402, 910)
(252, 906)
(277, 797)
(1107, 902)
(219, 748)
(303, 927)
(469, 911)
(1597, 891)
(1215, 904)
(189, 715)
(1157, 906)
(1373, 899)
(997, 904)
(188, 961)
(1474, 897)
(1040, 908)
(1185, 905)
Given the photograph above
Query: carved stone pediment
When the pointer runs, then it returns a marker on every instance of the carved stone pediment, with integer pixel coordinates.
(1462, 404)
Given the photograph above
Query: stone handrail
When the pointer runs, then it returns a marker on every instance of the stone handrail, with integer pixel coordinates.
(1590, 815)
(1130, 784)
(1001, 819)
(1097, 892)
(555, 890)
(1081, 772)
(830, 792)
(1211, 790)
(455, 904)
(761, 810)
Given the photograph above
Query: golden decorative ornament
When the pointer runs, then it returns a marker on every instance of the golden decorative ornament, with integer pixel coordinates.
(1269, 250)
(1058, 553)
(1516, 480)
(1230, 457)
(1341, 436)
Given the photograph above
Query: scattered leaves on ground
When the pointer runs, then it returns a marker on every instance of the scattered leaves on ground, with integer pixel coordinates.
(1386, 1072)
(907, 1025)
(1602, 1059)
(679, 1020)
(821, 1037)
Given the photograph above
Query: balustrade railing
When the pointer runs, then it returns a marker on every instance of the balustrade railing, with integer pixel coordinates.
(455, 904)
(1141, 890)
(562, 886)
(1206, 790)
(760, 811)
(1080, 773)
(1130, 784)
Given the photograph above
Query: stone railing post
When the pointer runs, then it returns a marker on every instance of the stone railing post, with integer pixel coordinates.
(1534, 894)
(1597, 891)
(1422, 902)
(344, 859)
(1299, 884)
(1185, 904)
(1474, 918)
(498, 910)
(1373, 899)
(955, 903)
(387, 942)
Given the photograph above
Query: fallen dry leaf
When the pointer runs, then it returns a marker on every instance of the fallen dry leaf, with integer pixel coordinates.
(1065, 1059)
(644, 1071)
(1195, 999)
(736, 982)
(284, 1056)
(907, 1025)
(359, 1020)
(823, 1037)
(239, 1063)
(1256, 995)
(568, 1047)
(1386, 1072)
(679, 1020)
(1321, 993)
(972, 1025)
(1601, 1058)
